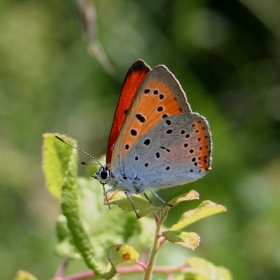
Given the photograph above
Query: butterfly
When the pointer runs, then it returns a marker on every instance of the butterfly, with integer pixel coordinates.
(156, 141)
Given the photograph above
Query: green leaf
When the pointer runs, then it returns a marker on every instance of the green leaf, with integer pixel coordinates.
(204, 270)
(24, 275)
(119, 198)
(70, 208)
(205, 209)
(143, 205)
(147, 210)
(186, 239)
(119, 254)
(56, 155)
(66, 249)
(62, 230)
(122, 253)
(191, 195)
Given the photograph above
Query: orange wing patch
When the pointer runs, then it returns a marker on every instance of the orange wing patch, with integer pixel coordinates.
(159, 96)
(134, 77)
(202, 146)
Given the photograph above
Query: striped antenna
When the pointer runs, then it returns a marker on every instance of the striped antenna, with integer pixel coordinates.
(80, 151)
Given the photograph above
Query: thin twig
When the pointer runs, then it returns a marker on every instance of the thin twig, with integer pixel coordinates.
(61, 270)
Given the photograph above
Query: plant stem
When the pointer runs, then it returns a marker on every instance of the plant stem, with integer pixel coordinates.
(155, 247)
(61, 269)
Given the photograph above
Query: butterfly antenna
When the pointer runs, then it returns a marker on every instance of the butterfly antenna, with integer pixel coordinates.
(87, 163)
(79, 150)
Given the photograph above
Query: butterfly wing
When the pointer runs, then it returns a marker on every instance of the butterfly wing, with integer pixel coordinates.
(162, 142)
(159, 96)
(134, 77)
(175, 151)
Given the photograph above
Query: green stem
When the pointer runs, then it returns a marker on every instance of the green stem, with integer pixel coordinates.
(155, 247)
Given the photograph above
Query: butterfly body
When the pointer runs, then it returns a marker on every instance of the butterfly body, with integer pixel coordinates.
(156, 140)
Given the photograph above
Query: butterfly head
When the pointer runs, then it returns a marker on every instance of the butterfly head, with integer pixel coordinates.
(103, 175)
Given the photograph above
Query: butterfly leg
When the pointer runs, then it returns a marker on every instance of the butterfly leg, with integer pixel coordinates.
(132, 204)
(105, 194)
(159, 198)
(147, 198)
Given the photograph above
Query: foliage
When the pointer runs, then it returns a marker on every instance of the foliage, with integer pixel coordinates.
(86, 231)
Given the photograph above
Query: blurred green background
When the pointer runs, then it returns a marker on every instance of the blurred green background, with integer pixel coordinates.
(54, 79)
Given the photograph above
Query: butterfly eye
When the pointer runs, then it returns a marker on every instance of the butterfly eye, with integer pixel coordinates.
(105, 174)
